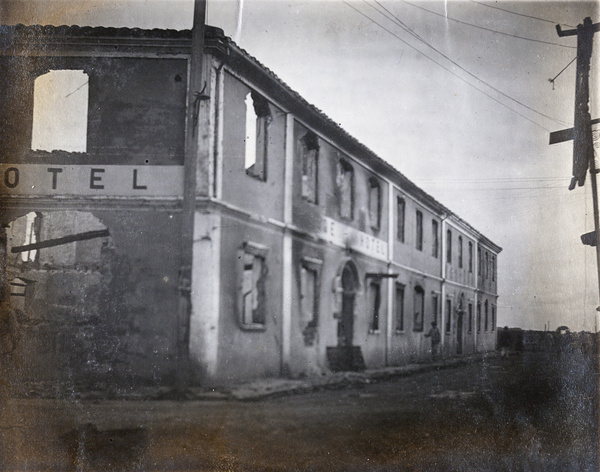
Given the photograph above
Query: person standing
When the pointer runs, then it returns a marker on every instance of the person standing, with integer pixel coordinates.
(436, 338)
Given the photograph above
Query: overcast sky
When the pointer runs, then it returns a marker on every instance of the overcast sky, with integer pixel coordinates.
(449, 93)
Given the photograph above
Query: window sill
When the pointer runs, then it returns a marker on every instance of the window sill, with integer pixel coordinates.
(374, 331)
(399, 332)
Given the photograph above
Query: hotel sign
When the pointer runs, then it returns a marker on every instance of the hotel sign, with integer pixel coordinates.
(342, 235)
(90, 180)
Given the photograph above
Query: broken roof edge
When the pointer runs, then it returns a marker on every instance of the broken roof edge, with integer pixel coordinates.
(234, 55)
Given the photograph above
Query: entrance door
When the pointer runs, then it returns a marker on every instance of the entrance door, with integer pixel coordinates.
(346, 323)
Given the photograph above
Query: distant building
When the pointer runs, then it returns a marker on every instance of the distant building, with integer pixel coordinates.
(310, 252)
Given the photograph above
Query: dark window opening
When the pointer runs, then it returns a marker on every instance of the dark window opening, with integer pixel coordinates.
(419, 229)
(460, 252)
(419, 308)
(448, 315)
(435, 239)
(399, 307)
(400, 215)
(374, 302)
(449, 247)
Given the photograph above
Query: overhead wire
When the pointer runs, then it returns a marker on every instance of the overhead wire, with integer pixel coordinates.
(521, 14)
(452, 72)
(396, 20)
(489, 29)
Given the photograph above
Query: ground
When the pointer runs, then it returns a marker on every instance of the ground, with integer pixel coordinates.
(531, 412)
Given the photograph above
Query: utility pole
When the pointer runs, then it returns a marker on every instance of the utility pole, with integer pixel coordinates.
(581, 133)
(194, 91)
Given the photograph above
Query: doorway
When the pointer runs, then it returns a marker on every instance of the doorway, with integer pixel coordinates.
(349, 288)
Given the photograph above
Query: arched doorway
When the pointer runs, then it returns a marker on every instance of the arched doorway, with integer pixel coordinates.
(346, 356)
(349, 289)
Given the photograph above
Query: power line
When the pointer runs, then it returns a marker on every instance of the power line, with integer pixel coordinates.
(396, 20)
(489, 29)
(521, 14)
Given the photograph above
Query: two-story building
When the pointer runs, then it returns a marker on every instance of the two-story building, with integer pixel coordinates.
(310, 253)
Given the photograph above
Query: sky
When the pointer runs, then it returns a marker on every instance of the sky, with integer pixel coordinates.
(455, 95)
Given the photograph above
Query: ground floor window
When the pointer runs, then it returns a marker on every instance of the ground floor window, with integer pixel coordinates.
(448, 315)
(419, 308)
(374, 302)
(470, 321)
(309, 299)
(252, 286)
(399, 308)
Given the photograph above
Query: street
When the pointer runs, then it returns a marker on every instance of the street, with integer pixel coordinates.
(533, 411)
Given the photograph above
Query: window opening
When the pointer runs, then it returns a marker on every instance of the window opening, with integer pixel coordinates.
(470, 257)
(449, 247)
(470, 318)
(345, 183)
(399, 307)
(309, 303)
(31, 236)
(485, 314)
(60, 111)
(434, 303)
(460, 252)
(478, 261)
(252, 290)
(448, 315)
(401, 208)
(493, 327)
(419, 234)
(374, 203)
(419, 308)
(478, 317)
(374, 302)
(258, 118)
(435, 238)
(310, 166)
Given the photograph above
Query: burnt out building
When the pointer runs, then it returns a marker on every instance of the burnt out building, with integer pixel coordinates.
(309, 252)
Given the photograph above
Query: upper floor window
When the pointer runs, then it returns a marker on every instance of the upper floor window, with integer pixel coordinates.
(258, 118)
(60, 111)
(419, 308)
(400, 215)
(310, 166)
(486, 266)
(493, 268)
(435, 245)
(419, 228)
(345, 184)
(470, 256)
(374, 203)
(478, 261)
(478, 317)
(449, 247)
(460, 252)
